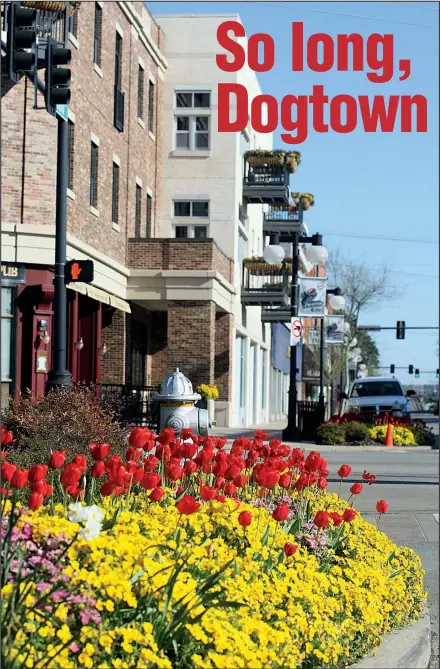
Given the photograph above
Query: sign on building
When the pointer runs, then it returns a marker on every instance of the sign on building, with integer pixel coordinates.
(12, 273)
(296, 331)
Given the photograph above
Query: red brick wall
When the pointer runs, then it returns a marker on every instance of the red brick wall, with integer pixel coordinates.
(113, 336)
(223, 355)
(157, 348)
(178, 254)
(191, 340)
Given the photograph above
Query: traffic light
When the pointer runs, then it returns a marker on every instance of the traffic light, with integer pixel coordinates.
(400, 330)
(411, 369)
(392, 369)
(79, 270)
(21, 36)
(57, 78)
(417, 374)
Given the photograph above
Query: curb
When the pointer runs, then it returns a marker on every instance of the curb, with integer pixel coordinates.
(407, 647)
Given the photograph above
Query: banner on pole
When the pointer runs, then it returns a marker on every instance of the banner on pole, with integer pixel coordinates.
(334, 329)
(312, 297)
(296, 331)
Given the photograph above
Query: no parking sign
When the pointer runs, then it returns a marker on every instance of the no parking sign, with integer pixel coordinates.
(296, 331)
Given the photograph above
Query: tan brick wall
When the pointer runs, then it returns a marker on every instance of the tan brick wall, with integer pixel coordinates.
(29, 138)
(113, 336)
(224, 324)
(179, 254)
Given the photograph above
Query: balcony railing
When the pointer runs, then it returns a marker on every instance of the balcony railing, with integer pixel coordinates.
(268, 286)
(283, 219)
(275, 315)
(132, 405)
(266, 183)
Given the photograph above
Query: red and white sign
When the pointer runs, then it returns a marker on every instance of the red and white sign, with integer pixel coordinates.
(296, 331)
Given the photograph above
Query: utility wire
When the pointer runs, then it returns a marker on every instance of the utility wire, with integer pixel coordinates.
(353, 16)
(386, 239)
(419, 5)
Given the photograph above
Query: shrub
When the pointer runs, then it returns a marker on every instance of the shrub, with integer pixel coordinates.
(330, 433)
(67, 420)
(402, 436)
(356, 433)
(422, 435)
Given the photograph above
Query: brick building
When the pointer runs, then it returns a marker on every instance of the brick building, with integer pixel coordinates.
(115, 146)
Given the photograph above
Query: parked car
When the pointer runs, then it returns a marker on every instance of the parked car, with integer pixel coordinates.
(378, 395)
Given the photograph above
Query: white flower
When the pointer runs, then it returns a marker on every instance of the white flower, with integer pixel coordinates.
(93, 513)
(77, 513)
(91, 530)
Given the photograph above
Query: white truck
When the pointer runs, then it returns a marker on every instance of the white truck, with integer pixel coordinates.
(378, 395)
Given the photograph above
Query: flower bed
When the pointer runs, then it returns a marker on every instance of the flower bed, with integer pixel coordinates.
(194, 557)
(358, 428)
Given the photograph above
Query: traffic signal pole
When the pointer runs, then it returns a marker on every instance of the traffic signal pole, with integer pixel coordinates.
(59, 376)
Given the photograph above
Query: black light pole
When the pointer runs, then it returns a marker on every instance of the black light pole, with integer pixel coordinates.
(59, 376)
(329, 291)
(291, 432)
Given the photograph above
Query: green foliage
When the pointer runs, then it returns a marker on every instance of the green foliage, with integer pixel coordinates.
(356, 433)
(66, 420)
(330, 433)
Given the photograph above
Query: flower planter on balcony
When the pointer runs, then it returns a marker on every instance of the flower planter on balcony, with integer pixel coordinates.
(307, 200)
(266, 179)
(48, 6)
(261, 267)
(293, 160)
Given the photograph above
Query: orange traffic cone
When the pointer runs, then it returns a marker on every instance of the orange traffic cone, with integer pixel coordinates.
(389, 437)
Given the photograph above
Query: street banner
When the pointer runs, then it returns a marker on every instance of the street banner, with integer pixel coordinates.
(312, 297)
(296, 331)
(334, 329)
(314, 338)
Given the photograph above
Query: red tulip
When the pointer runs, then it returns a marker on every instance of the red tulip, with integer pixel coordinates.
(80, 462)
(189, 467)
(281, 512)
(5, 491)
(3, 455)
(38, 486)
(70, 476)
(344, 471)
(371, 479)
(207, 493)
(175, 472)
(268, 478)
(150, 463)
(166, 436)
(57, 459)
(382, 506)
(19, 478)
(133, 453)
(356, 488)
(139, 437)
(7, 436)
(240, 481)
(221, 498)
(186, 433)
(108, 488)
(7, 471)
(187, 505)
(290, 549)
(312, 462)
(180, 490)
(99, 451)
(366, 475)
(97, 470)
(337, 518)
(322, 483)
(221, 442)
(230, 489)
(285, 480)
(37, 473)
(260, 434)
(150, 481)
(35, 500)
(48, 490)
(321, 519)
(245, 518)
(156, 494)
(219, 483)
(163, 452)
(349, 515)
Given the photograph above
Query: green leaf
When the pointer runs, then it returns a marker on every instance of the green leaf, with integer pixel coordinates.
(109, 524)
(265, 537)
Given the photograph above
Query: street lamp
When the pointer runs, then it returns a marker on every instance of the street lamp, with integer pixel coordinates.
(337, 302)
(319, 255)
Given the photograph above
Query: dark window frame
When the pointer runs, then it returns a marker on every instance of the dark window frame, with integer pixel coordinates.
(191, 214)
(94, 171)
(115, 193)
(97, 36)
(141, 92)
(138, 212)
(151, 105)
(149, 216)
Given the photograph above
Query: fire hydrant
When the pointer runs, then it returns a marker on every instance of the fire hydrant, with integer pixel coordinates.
(177, 401)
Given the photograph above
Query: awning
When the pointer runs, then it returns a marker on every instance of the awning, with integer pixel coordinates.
(100, 296)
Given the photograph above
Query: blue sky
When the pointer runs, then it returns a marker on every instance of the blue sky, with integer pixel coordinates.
(365, 184)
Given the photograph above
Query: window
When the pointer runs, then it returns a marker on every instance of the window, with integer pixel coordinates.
(191, 128)
(376, 389)
(181, 231)
(118, 61)
(196, 208)
(70, 149)
(137, 221)
(73, 23)
(149, 216)
(94, 175)
(151, 88)
(115, 194)
(97, 37)
(191, 231)
(7, 317)
(140, 105)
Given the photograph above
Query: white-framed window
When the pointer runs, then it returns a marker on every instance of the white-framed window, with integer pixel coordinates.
(7, 318)
(191, 208)
(190, 231)
(192, 120)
